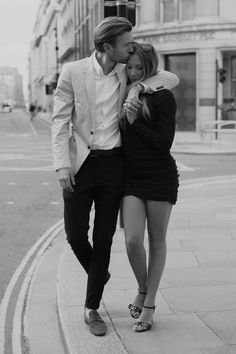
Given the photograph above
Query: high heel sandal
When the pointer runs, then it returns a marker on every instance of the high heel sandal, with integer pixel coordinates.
(141, 326)
(135, 311)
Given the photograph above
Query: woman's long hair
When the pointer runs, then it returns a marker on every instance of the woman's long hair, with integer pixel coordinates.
(149, 59)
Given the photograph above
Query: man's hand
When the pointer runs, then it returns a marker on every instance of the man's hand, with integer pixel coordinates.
(131, 107)
(66, 179)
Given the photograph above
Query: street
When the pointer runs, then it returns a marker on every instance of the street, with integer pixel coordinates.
(30, 194)
(31, 200)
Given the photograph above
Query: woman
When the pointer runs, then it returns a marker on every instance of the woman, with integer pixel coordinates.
(151, 181)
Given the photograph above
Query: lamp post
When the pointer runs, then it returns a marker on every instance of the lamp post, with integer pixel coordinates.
(56, 50)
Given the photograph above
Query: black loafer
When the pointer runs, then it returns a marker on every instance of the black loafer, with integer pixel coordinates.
(96, 324)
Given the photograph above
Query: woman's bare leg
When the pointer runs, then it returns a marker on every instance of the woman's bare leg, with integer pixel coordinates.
(134, 216)
(158, 215)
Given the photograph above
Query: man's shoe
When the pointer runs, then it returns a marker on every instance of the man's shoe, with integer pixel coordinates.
(96, 325)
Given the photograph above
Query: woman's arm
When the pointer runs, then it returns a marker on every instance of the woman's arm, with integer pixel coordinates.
(160, 134)
(162, 80)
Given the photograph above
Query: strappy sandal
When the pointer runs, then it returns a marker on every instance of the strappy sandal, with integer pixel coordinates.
(135, 311)
(141, 326)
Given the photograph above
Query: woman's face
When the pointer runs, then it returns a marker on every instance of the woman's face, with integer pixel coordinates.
(134, 68)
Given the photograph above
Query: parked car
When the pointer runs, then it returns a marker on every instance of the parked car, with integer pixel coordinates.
(6, 106)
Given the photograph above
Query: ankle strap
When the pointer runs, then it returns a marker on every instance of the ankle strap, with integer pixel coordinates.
(149, 307)
(142, 292)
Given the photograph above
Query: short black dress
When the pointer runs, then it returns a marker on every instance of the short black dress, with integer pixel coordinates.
(150, 170)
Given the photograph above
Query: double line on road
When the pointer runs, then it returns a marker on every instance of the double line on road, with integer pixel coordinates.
(22, 278)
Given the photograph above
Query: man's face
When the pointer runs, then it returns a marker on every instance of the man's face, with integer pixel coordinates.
(121, 51)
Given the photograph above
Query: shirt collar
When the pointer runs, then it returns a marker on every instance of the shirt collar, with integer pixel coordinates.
(117, 69)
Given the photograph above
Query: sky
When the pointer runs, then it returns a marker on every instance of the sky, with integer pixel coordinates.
(17, 18)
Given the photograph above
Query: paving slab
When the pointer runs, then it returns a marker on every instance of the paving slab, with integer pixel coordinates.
(216, 257)
(224, 349)
(200, 276)
(180, 259)
(176, 334)
(208, 298)
(199, 232)
(81, 341)
(223, 323)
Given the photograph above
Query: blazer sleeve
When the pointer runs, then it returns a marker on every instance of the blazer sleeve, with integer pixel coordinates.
(162, 80)
(62, 113)
(159, 134)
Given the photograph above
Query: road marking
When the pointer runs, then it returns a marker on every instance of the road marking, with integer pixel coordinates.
(40, 168)
(12, 183)
(10, 202)
(23, 297)
(33, 129)
(55, 203)
(45, 184)
(183, 167)
(8, 292)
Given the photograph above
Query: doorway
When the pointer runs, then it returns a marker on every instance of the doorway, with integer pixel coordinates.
(184, 66)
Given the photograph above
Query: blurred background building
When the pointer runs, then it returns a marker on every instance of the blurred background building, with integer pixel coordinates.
(11, 87)
(195, 39)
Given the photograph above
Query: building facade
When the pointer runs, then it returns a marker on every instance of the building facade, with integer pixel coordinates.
(195, 39)
(11, 87)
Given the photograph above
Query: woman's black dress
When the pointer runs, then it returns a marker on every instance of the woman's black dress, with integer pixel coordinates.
(151, 171)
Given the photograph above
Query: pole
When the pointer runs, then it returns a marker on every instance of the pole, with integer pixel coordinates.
(216, 94)
(56, 49)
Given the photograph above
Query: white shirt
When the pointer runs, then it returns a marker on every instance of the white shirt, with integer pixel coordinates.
(106, 134)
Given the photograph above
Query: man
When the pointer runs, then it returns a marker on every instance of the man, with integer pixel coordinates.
(89, 163)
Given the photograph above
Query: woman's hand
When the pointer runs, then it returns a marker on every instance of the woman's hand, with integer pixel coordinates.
(131, 107)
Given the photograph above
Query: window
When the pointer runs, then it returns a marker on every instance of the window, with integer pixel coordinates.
(188, 10)
(168, 10)
(207, 8)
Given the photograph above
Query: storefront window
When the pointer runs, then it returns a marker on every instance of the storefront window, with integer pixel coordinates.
(188, 10)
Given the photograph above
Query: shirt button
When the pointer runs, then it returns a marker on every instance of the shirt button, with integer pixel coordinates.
(91, 133)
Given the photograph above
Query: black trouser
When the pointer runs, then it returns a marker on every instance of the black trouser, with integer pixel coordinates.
(99, 180)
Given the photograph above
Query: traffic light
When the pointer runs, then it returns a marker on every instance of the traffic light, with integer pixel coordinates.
(222, 75)
(121, 8)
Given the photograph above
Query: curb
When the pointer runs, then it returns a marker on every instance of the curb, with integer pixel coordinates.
(36, 251)
(70, 305)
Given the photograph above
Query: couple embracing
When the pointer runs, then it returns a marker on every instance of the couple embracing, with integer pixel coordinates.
(122, 117)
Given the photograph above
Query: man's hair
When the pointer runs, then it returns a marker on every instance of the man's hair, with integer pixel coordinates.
(109, 29)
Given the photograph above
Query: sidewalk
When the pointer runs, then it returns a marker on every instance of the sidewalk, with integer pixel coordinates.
(192, 143)
(196, 307)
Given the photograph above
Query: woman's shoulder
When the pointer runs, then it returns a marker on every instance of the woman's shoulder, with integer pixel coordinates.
(163, 95)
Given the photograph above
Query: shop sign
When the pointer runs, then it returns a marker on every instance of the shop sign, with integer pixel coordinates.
(182, 37)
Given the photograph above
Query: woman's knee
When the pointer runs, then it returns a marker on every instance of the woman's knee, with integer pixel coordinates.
(133, 242)
(157, 245)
